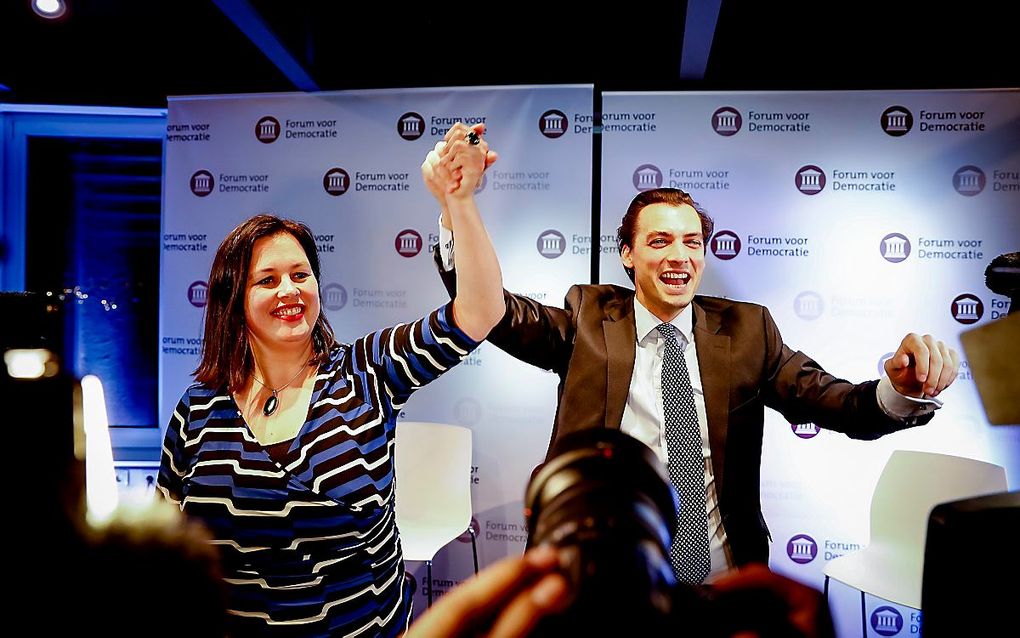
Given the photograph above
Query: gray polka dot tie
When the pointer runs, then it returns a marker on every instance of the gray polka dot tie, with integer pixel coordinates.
(689, 553)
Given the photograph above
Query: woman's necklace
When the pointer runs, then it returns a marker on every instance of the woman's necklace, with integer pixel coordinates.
(273, 401)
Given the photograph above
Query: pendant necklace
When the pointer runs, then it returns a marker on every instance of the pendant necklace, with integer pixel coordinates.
(273, 401)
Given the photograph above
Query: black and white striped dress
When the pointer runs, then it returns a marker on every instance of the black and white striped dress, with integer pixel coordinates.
(308, 538)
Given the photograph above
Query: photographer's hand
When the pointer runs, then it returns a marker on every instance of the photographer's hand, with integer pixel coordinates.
(506, 599)
(773, 605)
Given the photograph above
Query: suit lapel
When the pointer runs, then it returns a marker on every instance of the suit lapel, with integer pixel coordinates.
(621, 336)
(714, 362)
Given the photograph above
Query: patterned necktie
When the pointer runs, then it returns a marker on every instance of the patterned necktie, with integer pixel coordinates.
(689, 553)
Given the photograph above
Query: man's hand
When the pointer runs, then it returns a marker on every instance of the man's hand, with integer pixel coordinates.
(922, 366)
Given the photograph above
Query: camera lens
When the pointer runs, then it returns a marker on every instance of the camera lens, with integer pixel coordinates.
(604, 499)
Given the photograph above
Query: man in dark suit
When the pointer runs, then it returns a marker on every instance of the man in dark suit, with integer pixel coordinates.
(608, 346)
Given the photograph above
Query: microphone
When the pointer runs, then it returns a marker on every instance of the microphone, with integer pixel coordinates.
(1002, 277)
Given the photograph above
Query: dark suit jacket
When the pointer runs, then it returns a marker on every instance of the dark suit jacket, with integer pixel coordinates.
(745, 366)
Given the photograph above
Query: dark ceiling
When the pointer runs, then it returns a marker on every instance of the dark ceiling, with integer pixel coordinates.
(136, 52)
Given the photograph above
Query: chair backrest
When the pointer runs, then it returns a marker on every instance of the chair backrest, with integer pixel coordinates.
(912, 483)
(432, 463)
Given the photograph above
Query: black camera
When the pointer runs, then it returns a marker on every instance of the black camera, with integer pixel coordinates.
(605, 501)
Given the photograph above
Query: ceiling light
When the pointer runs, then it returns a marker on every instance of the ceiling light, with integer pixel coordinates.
(50, 9)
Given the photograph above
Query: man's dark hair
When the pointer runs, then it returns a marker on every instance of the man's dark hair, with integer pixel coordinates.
(670, 197)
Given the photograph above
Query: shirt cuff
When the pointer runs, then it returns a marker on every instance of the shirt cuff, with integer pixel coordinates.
(902, 407)
(445, 246)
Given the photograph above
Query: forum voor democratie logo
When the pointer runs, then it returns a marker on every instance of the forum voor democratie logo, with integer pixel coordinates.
(881, 362)
(810, 179)
(553, 123)
(473, 530)
(334, 297)
(895, 247)
(202, 183)
(969, 180)
(802, 549)
(967, 308)
(411, 126)
(551, 243)
(408, 243)
(198, 294)
(336, 181)
(808, 305)
(267, 130)
(886, 621)
(725, 244)
(897, 121)
(804, 430)
(726, 121)
(646, 177)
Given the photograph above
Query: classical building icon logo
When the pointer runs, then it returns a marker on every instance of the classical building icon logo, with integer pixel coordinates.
(725, 244)
(474, 529)
(336, 181)
(202, 183)
(894, 247)
(411, 126)
(881, 362)
(553, 123)
(804, 430)
(198, 294)
(886, 621)
(810, 180)
(967, 308)
(969, 180)
(408, 243)
(897, 121)
(808, 305)
(551, 244)
(802, 549)
(267, 129)
(726, 121)
(468, 411)
(646, 177)
(334, 297)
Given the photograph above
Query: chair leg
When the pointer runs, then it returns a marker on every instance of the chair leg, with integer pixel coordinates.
(474, 548)
(864, 617)
(428, 564)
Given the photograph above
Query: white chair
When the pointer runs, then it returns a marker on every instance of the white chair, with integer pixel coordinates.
(432, 463)
(912, 483)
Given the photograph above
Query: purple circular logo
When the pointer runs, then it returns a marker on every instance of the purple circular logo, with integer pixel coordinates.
(894, 247)
(897, 121)
(969, 180)
(267, 129)
(802, 549)
(967, 308)
(336, 181)
(198, 294)
(808, 305)
(646, 177)
(886, 621)
(553, 123)
(411, 126)
(334, 297)
(551, 244)
(726, 121)
(810, 179)
(881, 362)
(408, 243)
(472, 528)
(481, 183)
(202, 183)
(725, 244)
(804, 430)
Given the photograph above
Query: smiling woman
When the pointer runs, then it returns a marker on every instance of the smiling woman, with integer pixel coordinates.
(283, 447)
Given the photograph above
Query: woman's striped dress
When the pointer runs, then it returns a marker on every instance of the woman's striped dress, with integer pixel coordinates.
(309, 542)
